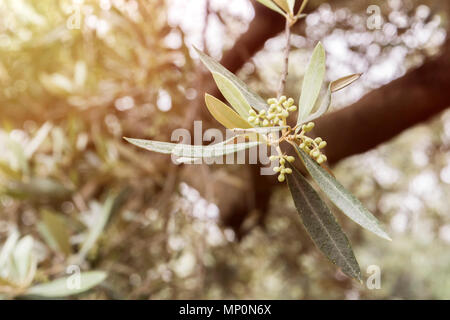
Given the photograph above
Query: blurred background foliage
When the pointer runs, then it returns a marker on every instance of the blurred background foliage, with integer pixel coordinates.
(68, 96)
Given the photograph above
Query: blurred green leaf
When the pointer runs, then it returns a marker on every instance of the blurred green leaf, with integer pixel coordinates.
(37, 188)
(102, 215)
(322, 225)
(7, 249)
(342, 198)
(312, 83)
(23, 258)
(251, 97)
(60, 288)
(54, 230)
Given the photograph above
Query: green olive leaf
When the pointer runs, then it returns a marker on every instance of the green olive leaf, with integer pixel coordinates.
(232, 94)
(322, 225)
(312, 83)
(342, 198)
(193, 151)
(224, 114)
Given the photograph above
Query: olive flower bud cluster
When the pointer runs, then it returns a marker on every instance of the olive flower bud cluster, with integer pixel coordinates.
(311, 146)
(276, 114)
(282, 170)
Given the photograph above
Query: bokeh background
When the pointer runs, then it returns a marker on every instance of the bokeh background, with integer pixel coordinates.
(77, 76)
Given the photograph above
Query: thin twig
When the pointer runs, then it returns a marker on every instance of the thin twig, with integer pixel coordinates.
(286, 59)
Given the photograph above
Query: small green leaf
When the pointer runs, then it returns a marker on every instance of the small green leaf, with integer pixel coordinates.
(232, 94)
(322, 225)
(269, 4)
(312, 83)
(224, 114)
(193, 151)
(341, 83)
(251, 97)
(61, 288)
(342, 198)
(54, 231)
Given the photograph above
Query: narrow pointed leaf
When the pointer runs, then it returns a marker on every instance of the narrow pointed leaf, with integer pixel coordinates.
(322, 225)
(312, 82)
(193, 151)
(232, 94)
(341, 83)
(250, 96)
(269, 4)
(342, 198)
(224, 114)
(62, 287)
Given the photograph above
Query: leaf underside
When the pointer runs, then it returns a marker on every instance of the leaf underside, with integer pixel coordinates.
(193, 151)
(322, 225)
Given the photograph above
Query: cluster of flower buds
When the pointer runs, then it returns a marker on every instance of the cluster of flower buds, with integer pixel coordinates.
(276, 114)
(282, 169)
(312, 146)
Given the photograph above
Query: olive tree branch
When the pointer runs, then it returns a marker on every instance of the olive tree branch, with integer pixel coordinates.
(287, 49)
